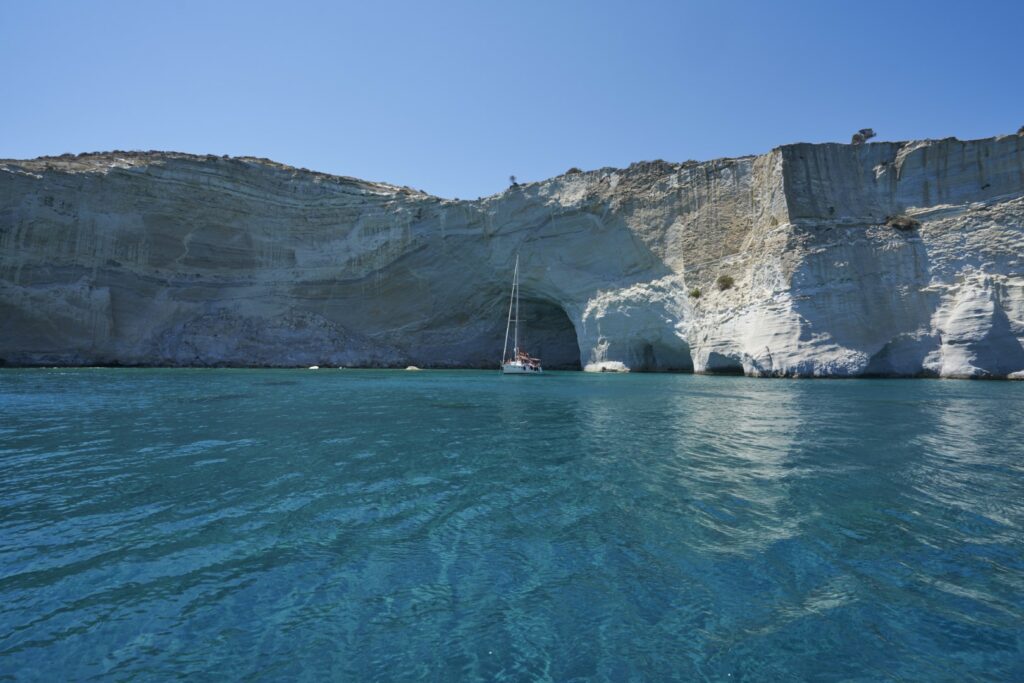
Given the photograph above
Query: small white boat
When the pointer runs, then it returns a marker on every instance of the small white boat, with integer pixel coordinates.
(519, 362)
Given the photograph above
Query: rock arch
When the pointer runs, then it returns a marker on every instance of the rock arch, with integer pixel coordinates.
(548, 332)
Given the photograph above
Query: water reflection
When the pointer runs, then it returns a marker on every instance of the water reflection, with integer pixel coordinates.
(966, 466)
(463, 525)
(732, 442)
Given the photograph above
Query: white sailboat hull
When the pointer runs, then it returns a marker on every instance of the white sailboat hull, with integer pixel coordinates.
(517, 368)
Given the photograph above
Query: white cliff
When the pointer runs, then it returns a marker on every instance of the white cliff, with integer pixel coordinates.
(174, 259)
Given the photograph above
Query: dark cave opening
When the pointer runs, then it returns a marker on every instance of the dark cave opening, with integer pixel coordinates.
(661, 357)
(719, 364)
(546, 332)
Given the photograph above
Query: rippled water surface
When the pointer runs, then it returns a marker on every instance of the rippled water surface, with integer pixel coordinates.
(365, 525)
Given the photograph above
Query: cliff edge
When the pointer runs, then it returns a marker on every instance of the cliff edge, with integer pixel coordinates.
(893, 259)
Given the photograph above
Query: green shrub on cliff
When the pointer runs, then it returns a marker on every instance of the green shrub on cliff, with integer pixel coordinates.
(724, 282)
(904, 223)
(862, 136)
(695, 292)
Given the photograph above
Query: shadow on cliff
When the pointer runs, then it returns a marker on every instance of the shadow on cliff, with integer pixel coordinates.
(545, 331)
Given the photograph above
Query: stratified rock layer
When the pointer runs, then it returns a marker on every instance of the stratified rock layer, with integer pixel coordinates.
(174, 259)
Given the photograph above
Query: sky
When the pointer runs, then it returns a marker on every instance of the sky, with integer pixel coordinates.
(453, 97)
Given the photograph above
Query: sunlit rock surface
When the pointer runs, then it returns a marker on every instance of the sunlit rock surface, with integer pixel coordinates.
(173, 259)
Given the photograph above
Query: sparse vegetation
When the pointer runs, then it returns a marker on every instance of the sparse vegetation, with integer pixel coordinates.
(724, 282)
(862, 136)
(1020, 131)
(574, 170)
(904, 223)
(695, 292)
(512, 181)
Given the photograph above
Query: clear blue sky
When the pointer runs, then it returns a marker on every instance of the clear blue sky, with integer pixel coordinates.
(452, 97)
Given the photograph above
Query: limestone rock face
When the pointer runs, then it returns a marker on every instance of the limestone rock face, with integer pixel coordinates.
(174, 259)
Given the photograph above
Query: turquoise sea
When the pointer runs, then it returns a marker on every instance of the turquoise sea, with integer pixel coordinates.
(366, 525)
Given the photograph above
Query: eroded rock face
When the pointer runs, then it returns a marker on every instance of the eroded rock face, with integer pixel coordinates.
(173, 259)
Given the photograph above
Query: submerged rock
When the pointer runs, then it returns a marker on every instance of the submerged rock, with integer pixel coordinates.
(874, 259)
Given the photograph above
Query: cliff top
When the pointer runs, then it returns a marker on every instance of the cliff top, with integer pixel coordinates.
(92, 162)
(86, 162)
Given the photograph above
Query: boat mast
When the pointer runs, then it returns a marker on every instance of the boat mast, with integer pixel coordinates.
(517, 305)
(511, 298)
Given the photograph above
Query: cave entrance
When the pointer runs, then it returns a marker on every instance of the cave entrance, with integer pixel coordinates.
(546, 332)
(661, 357)
(719, 364)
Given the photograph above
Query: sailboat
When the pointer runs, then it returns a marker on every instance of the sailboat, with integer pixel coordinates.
(518, 362)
